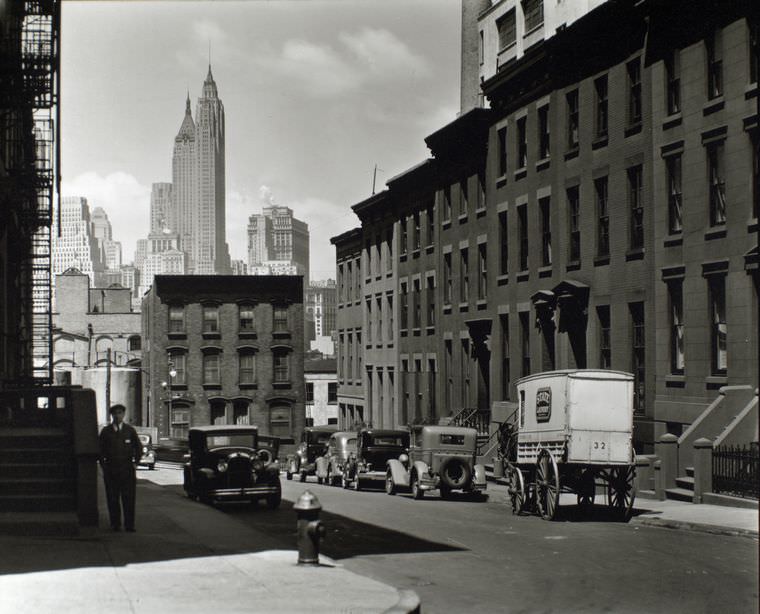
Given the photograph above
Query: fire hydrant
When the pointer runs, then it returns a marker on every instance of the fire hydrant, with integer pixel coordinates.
(310, 529)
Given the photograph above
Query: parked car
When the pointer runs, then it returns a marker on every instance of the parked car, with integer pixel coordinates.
(440, 457)
(148, 458)
(171, 450)
(228, 463)
(269, 449)
(313, 445)
(375, 447)
(331, 468)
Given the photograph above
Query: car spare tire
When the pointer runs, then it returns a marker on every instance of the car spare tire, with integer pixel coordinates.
(455, 473)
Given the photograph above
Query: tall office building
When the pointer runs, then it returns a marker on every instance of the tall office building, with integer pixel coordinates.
(74, 245)
(184, 179)
(276, 239)
(161, 208)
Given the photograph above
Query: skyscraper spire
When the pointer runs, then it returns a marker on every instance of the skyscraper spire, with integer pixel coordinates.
(187, 103)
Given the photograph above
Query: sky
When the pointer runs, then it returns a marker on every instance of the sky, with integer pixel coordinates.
(316, 93)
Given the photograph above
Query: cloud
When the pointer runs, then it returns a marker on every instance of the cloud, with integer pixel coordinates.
(384, 54)
(265, 195)
(124, 199)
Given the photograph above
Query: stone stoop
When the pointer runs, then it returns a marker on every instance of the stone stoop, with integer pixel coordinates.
(684, 490)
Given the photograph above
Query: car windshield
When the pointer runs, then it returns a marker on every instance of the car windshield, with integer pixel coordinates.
(144, 439)
(242, 440)
(318, 438)
(388, 440)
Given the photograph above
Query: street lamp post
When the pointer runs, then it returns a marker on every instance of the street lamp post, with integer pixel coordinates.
(172, 375)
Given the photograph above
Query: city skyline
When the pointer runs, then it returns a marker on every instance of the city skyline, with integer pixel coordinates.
(297, 98)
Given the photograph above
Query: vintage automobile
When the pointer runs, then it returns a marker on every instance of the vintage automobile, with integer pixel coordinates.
(228, 463)
(269, 449)
(313, 445)
(148, 458)
(441, 457)
(331, 467)
(375, 447)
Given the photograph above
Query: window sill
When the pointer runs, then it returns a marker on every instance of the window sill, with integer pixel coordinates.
(428, 250)
(416, 253)
(446, 224)
(463, 307)
(545, 271)
(176, 335)
(671, 121)
(480, 211)
(367, 280)
(281, 334)
(447, 308)
(416, 332)
(637, 253)
(600, 141)
(179, 387)
(378, 277)
(713, 106)
(602, 260)
(673, 240)
(521, 173)
(462, 218)
(633, 129)
(247, 334)
(282, 385)
(524, 276)
(211, 386)
(403, 333)
(502, 280)
(573, 153)
(378, 346)
(481, 303)
(543, 164)
(533, 29)
(675, 380)
(713, 382)
(430, 330)
(501, 181)
(751, 91)
(716, 233)
(401, 258)
(249, 386)
(573, 266)
(211, 335)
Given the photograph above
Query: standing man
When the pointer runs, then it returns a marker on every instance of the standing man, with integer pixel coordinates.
(119, 454)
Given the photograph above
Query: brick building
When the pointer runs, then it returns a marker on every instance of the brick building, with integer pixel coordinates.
(236, 347)
(320, 391)
(543, 233)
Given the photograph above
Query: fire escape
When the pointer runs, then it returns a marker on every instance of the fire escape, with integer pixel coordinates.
(30, 63)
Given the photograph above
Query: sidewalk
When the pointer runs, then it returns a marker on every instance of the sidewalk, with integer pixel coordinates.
(185, 557)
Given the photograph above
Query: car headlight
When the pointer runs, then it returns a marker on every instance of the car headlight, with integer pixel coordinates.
(403, 458)
(145, 449)
(222, 466)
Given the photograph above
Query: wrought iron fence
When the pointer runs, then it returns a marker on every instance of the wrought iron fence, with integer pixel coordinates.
(735, 470)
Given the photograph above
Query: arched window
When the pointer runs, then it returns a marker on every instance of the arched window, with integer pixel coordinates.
(102, 345)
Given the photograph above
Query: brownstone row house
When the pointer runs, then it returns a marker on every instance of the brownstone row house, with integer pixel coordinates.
(594, 205)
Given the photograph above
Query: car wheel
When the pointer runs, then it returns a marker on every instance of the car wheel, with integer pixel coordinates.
(417, 492)
(273, 501)
(302, 477)
(390, 485)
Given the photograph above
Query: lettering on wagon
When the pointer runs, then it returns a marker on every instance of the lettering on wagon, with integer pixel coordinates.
(543, 404)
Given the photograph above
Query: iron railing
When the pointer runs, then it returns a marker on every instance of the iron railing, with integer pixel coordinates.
(735, 470)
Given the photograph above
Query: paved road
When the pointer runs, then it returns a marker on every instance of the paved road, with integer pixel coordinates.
(467, 556)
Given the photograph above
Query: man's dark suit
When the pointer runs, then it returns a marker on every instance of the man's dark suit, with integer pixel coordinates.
(119, 453)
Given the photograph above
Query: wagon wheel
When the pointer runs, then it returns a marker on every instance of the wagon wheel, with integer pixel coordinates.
(516, 488)
(587, 490)
(621, 490)
(547, 485)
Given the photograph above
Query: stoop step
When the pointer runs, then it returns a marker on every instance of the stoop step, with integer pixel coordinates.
(679, 494)
(690, 471)
(685, 482)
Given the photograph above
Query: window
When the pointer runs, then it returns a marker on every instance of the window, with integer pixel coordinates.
(602, 217)
(534, 13)
(502, 136)
(341, 283)
(754, 50)
(431, 387)
(240, 413)
(522, 143)
(504, 339)
(634, 92)
(481, 49)
(211, 374)
(447, 279)
(418, 388)
(404, 307)
(430, 301)
(503, 244)
(417, 238)
(636, 206)
(281, 366)
(572, 119)
(574, 223)
(673, 81)
(210, 319)
(430, 215)
(718, 326)
(717, 181)
(544, 149)
(755, 146)
(178, 360)
(482, 271)
(404, 238)
(180, 423)
(309, 392)
(389, 249)
(349, 353)
(714, 48)
(446, 204)
(524, 317)
(332, 393)
(246, 317)
(673, 169)
(379, 319)
(449, 374)
(134, 343)
(464, 374)
(176, 319)
(416, 314)
(675, 299)
(247, 368)
(464, 275)
(279, 421)
(601, 119)
(464, 196)
(605, 349)
(280, 318)
(481, 195)
(638, 355)
(507, 28)
(368, 320)
(522, 219)
(359, 355)
(544, 206)
(389, 319)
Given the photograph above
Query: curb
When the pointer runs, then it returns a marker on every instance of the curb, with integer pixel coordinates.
(408, 603)
(694, 526)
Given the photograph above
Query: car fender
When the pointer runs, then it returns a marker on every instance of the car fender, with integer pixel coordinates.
(322, 465)
(479, 476)
(421, 468)
(399, 474)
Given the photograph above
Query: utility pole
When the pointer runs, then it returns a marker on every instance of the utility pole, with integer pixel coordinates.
(374, 178)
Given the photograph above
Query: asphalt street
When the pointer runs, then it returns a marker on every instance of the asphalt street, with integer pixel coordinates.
(469, 556)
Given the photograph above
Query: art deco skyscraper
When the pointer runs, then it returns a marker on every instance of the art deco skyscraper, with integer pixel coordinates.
(184, 182)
